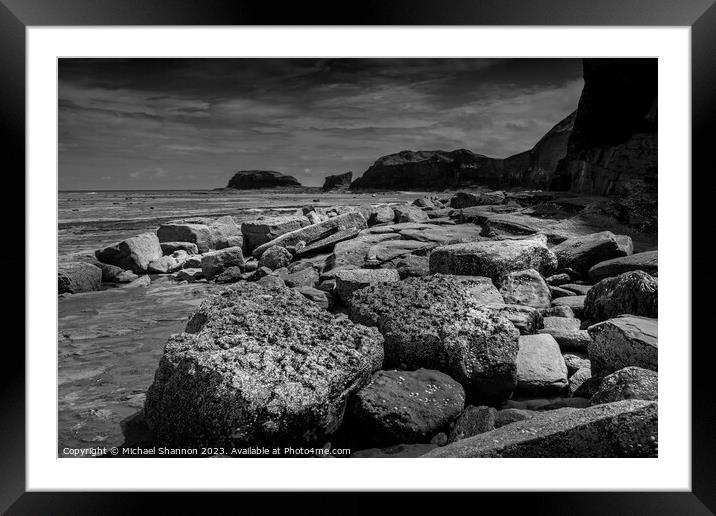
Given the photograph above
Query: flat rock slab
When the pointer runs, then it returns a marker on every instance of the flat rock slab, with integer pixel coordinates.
(327, 243)
(315, 232)
(493, 258)
(354, 252)
(405, 406)
(647, 261)
(540, 366)
(443, 235)
(621, 429)
(259, 365)
(259, 231)
(623, 341)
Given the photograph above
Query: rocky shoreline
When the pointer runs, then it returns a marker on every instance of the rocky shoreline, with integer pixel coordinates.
(484, 323)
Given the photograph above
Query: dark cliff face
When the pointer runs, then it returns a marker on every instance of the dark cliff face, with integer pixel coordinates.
(337, 181)
(248, 179)
(612, 149)
(431, 170)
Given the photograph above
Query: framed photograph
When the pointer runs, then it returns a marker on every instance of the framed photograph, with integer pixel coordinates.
(410, 233)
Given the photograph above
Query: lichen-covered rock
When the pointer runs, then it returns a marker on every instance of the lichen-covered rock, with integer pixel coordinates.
(259, 365)
(627, 384)
(526, 319)
(350, 280)
(634, 293)
(264, 229)
(647, 261)
(214, 263)
(493, 258)
(540, 366)
(74, 277)
(622, 429)
(435, 322)
(582, 252)
(275, 257)
(526, 288)
(623, 341)
(134, 253)
(474, 420)
(230, 275)
(405, 406)
(369, 304)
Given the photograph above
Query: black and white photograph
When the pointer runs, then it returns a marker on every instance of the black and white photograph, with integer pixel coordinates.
(357, 257)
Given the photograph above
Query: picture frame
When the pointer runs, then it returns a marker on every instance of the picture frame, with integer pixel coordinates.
(17, 15)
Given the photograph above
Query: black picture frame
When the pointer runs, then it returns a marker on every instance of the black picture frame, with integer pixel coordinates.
(17, 15)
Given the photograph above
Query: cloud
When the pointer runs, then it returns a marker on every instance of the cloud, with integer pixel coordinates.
(192, 123)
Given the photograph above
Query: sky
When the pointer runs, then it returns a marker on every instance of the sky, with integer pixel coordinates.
(146, 123)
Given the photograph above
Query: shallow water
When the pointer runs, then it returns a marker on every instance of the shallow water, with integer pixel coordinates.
(110, 342)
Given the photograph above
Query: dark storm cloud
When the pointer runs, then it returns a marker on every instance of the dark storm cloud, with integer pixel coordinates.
(189, 123)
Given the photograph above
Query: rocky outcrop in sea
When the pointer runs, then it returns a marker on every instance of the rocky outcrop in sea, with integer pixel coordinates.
(251, 179)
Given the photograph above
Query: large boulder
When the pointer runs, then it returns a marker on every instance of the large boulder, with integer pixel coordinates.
(214, 263)
(623, 429)
(168, 263)
(526, 319)
(582, 252)
(409, 213)
(74, 277)
(259, 365)
(634, 293)
(526, 288)
(337, 181)
(350, 280)
(264, 229)
(368, 305)
(134, 253)
(623, 341)
(381, 214)
(540, 366)
(204, 236)
(474, 420)
(493, 258)
(627, 384)
(647, 261)
(315, 232)
(405, 406)
(252, 179)
(435, 322)
(275, 257)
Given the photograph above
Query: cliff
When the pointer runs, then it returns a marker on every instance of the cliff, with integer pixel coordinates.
(250, 179)
(337, 181)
